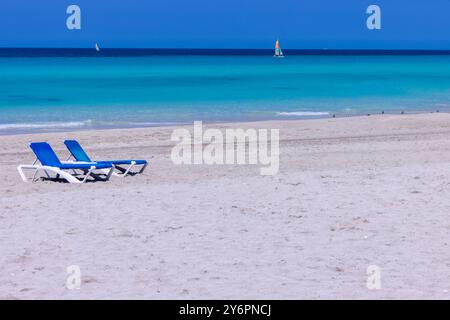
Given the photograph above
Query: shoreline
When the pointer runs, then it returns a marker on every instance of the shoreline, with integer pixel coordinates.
(220, 123)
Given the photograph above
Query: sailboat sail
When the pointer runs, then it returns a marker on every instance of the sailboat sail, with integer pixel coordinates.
(278, 52)
(97, 48)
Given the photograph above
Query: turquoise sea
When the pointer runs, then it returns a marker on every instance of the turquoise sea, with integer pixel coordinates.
(70, 91)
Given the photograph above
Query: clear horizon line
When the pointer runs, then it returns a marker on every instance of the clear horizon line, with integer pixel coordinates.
(222, 48)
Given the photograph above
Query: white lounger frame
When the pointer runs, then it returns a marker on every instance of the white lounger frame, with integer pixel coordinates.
(59, 172)
(127, 170)
(124, 171)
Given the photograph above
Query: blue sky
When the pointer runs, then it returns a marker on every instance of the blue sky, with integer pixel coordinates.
(339, 24)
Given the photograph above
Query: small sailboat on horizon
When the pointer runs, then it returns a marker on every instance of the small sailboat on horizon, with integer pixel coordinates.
(278, 52)
(97, 48)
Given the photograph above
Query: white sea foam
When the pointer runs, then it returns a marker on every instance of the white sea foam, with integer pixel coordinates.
(43, 125)
(38, 126)
(303, 113)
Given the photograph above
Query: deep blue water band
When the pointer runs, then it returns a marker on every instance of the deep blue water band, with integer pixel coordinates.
(124, 52)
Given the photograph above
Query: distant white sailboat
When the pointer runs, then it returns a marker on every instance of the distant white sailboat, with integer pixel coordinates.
(97, 48)
(278, 52)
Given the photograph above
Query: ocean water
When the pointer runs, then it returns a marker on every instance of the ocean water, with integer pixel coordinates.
(65, 91)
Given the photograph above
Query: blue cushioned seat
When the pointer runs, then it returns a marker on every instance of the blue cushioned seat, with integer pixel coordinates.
(47, 157)
(80, 155)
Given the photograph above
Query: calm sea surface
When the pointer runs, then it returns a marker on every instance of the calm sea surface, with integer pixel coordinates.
(48, 92)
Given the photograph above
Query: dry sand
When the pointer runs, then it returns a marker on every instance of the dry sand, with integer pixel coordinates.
(350, 193)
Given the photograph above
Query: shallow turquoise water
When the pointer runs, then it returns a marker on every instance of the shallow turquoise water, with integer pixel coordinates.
(56, 93)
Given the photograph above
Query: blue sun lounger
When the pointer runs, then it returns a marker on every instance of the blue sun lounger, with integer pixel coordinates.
(78, 153)
(48, 161)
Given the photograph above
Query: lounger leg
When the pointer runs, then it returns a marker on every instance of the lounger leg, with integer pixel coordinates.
(143, 168)
(67, 176)
(35, 172)
(34, 175)
(129, 168)
(22, 174)
(110, 174)
(125, 173)
(107, 173)
(64, 175)
(88, 174)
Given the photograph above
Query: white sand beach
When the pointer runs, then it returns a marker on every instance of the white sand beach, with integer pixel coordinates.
(350, 193)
